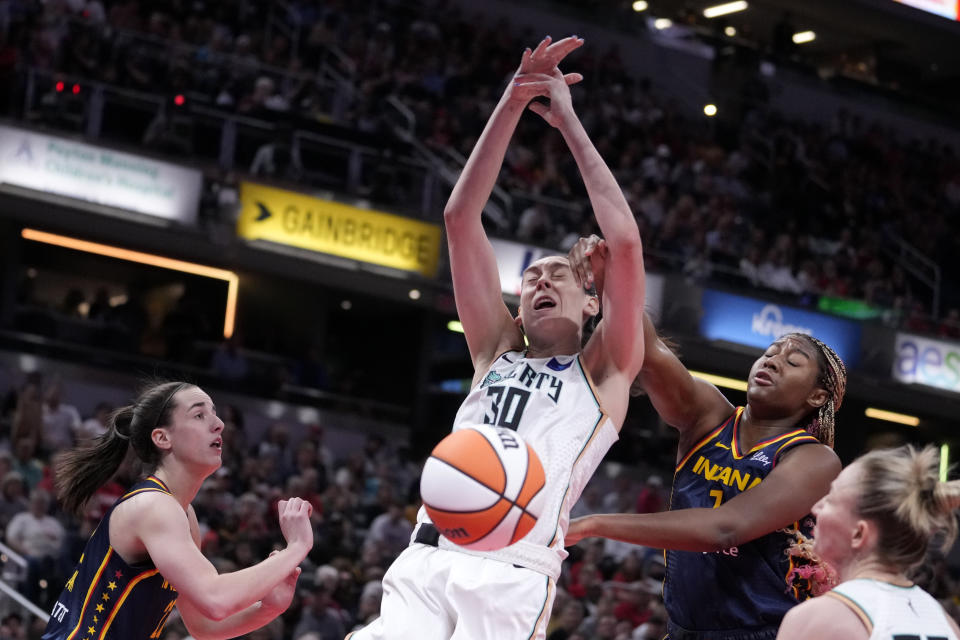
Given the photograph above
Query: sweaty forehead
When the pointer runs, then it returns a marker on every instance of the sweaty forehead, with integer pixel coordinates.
(550, 262)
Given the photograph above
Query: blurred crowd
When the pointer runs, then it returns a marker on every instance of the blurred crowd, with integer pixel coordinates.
(801, 209)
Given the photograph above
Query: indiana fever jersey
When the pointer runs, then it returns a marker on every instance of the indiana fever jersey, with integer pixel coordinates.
(108, 599)
(551, 403)
(744, 587)
(890, 612)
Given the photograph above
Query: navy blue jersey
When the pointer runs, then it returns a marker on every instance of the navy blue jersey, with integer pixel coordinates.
(744, 587)
(108, 599)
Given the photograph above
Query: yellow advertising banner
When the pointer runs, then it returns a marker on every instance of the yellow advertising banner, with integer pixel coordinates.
(330, 227)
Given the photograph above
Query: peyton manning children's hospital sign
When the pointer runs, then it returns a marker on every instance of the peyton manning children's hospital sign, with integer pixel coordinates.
(86, 172)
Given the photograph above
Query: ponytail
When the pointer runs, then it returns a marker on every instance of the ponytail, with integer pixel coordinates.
(900, 490)
(81, 471)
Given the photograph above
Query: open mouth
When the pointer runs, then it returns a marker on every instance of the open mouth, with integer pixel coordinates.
(217, 444)
(763, 378)
(544, 303)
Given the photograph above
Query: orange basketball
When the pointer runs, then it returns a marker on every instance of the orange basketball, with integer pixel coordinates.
(483, 487)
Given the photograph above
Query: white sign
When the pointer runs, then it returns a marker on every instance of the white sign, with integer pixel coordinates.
(769, 323)
(934, 363)
(513, 258)
(95, 174)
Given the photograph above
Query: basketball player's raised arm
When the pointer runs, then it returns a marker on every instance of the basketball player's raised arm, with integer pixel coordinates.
(487, 324)
(688, 404)
(166, 534)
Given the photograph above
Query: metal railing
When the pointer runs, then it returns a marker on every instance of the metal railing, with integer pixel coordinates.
(914, 262)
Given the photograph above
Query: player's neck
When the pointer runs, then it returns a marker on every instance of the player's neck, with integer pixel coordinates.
(547, 348)
(757, 425)
(871, 569)
(183, 485)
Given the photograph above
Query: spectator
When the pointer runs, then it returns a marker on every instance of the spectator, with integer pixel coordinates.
(95, 425)
(60, 420)
(228, 363)
(13, 497)
(319, 616)
(37, 536)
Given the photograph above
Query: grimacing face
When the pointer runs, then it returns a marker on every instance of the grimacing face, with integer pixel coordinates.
(551, 298)
(787, 376)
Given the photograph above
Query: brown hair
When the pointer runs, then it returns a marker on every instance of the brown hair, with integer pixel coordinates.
(83, 470)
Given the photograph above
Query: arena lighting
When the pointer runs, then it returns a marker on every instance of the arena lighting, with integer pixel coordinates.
(890, 416)
(724, 9)
(233, 282)
(59, 86)
(179, 100)
(944, 461)
(730, 31)
(455, 326)
(721, 381)
(710, 110)
(640, 5)
(663, 23)
(414, 294)
(76, 89)
(804, 37)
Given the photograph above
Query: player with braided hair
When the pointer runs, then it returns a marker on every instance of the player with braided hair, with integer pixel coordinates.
(745, 481)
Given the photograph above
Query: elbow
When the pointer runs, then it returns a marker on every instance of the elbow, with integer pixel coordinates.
(724, 536)
(452, 215)
(213, 607)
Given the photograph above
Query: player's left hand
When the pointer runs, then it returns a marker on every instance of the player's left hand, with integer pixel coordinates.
(281, 595)
(553, 85)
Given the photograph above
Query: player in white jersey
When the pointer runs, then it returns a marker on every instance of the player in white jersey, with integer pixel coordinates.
(882, 513)
(566, 401)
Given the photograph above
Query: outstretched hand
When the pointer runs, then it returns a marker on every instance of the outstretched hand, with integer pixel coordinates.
(548, 54)
(538, 65)
(556, 87)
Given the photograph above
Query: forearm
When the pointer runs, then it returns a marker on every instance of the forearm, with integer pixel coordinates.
(682, 530)
(610, 207)
(250, 619)
(231, 593)
(479, 175)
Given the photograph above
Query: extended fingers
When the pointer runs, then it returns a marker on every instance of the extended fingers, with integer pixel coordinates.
(542, 46)
(561, 48)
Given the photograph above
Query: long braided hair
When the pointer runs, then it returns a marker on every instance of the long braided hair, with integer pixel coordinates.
(808, 574)
(833, 378)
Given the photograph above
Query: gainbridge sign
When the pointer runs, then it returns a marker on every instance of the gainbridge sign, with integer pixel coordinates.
(298, 220)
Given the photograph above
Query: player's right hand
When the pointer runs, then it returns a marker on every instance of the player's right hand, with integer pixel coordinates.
(587, 258)
(295, 522)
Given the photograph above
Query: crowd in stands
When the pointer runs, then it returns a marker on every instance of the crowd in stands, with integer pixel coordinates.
(364, 501)
(802, 209)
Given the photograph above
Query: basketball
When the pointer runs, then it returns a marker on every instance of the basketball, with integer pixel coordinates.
(483, 487)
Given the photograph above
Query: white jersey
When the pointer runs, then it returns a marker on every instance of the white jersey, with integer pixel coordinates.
(551, 403)
(889, 611)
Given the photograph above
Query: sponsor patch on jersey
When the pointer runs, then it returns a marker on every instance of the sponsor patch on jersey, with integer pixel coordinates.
(491, 378)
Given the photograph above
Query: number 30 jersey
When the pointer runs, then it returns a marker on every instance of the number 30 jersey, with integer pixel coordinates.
(552, 404)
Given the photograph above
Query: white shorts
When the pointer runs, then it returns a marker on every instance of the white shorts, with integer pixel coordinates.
(435, 594)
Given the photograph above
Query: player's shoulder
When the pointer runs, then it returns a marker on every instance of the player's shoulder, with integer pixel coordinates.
(825, 616)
